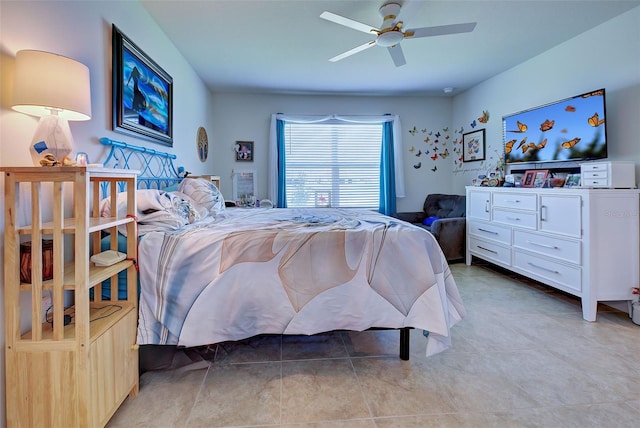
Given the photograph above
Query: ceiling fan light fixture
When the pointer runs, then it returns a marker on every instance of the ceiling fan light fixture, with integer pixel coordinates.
(389, 38)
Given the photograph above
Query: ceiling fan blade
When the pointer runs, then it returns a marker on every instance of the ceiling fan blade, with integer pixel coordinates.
(397, 55)
(349, 23)
(353, 51)
(440, 30)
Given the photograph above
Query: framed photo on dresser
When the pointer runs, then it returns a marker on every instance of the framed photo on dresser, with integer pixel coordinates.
(573, 180)
(529, 176)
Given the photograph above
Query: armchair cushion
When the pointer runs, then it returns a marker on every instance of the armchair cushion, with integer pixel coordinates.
(444, 216)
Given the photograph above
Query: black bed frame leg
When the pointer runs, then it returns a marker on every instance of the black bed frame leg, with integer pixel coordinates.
(405, 343)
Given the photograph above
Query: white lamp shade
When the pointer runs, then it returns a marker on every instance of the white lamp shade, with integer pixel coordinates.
(47, 83)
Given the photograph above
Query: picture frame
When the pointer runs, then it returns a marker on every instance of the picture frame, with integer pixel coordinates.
(529, 178)
(540, 178)
(244, 151)
(244, 185)
(573, 180)
(473, 144)
(142, 93)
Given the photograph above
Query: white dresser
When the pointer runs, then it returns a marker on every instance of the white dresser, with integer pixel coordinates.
(582, 241)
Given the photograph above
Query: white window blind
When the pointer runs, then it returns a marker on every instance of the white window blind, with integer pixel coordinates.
(333, 164)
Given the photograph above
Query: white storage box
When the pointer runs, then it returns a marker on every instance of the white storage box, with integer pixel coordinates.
(609, 175)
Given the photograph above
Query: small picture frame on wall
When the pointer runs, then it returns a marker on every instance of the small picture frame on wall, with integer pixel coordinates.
(244, 151)
(529, 177)
(473, 144)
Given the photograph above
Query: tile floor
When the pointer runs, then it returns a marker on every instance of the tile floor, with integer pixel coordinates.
(523, 357)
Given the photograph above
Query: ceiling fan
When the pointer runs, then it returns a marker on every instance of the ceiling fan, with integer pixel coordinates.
(391, 33)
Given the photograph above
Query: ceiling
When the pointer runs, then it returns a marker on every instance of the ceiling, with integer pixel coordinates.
(283, 46)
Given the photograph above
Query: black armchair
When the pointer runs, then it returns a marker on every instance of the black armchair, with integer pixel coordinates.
(448, 224)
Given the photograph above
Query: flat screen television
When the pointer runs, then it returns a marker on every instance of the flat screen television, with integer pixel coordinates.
(572, 129)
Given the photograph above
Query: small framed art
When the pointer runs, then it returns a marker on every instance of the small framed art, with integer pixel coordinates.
(540, 177)
(573, 180)
(529, 177)
(474, 146)
(244, 151)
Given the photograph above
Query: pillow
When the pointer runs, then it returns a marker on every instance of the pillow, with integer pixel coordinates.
(429, 220)
(157, 210)
(204, 192)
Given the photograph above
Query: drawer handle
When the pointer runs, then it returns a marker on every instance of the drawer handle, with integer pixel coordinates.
(553, 247)
(543, 268)
(543, 211)
(486, 206)
(486, 249)
(516, 201)
(513, 218)
(487, 231)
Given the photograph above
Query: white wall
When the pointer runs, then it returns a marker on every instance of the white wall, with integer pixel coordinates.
(607, 56)
(82, 31)
(239, 117)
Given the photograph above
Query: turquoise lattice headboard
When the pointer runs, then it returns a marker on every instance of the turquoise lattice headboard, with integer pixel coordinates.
(156, 168)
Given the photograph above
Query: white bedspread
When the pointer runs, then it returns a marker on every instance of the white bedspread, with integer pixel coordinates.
(293, 271)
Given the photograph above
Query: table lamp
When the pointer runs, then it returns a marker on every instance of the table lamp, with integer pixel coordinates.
(57, 89)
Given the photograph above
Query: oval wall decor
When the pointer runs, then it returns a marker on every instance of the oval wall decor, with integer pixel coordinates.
(202, 142)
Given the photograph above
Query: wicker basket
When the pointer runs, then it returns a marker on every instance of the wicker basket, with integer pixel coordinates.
(47, 260)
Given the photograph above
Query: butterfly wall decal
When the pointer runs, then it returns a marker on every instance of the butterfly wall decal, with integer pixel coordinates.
(484, 118)
(473, 124)
(418, 165)
(413, 131)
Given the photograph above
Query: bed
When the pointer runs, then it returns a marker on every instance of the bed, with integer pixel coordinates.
(210, 274)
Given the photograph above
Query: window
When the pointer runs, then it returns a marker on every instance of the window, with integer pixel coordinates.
(332, 164)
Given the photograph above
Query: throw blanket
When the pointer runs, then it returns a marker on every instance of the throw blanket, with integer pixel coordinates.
(293, 271)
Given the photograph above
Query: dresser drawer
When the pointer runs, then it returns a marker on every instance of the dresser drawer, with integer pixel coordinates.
(490, 231)
(595, 175)
(595, 182)
(490, 251)
(596, 166)
(561, 249)
(515, 200)
(565, 277)
(516, 218)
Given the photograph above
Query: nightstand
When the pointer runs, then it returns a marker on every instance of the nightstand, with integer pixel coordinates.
(75, 367)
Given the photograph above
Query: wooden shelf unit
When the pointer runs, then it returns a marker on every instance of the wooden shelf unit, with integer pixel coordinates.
(73, 375)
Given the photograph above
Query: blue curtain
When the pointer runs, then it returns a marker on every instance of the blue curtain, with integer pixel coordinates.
(387, 172)
(282, 188)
